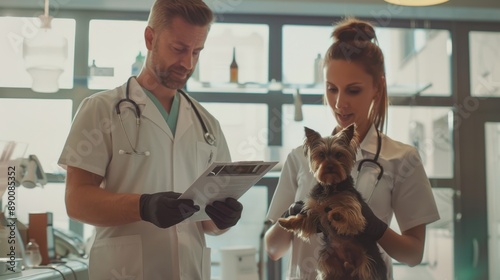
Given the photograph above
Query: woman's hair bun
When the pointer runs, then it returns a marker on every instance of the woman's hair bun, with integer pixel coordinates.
(351, 29)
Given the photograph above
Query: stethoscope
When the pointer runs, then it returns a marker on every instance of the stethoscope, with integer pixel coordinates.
(209, 137)
(375, 162)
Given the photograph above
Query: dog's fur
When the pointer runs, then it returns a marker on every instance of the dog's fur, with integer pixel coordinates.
(333, 206)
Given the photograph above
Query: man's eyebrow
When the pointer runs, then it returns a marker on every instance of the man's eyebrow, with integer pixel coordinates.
(186, 46)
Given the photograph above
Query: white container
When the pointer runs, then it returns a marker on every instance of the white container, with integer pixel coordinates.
(238, 263)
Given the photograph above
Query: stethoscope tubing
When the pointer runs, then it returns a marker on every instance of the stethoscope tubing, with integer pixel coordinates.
(374, 161)
(209, 137)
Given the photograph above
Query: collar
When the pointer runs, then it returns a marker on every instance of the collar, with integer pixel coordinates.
(369, 144)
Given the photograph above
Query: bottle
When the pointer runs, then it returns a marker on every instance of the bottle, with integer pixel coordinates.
(137, 65)
(92, 69)
(233, 78)
(318, 69)
(297, 102)
(32, 254)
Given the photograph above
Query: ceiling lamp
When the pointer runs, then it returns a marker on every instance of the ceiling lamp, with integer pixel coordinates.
(416, 3)
(44, 55)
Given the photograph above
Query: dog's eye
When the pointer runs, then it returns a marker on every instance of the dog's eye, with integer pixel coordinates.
(338, 155)
(321, 155)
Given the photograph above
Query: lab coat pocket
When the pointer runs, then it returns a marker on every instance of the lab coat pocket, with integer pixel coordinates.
(117, 258)
(205, 155)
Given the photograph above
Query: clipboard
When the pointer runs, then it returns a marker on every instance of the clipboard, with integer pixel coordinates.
(224, 179)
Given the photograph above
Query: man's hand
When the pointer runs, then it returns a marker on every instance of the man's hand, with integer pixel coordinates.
(225, 214)
(165, 210)
(375, 228)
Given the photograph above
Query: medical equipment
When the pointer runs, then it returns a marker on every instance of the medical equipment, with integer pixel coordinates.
(209, 138)
(375, 162)
(29, 172)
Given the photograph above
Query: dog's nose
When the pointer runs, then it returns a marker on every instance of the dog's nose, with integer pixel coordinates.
(328, 209)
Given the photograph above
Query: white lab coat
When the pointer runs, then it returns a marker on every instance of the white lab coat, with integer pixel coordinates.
(404, 191)
(141, 250)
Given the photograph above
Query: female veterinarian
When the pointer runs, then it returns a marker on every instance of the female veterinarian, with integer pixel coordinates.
(389, 174)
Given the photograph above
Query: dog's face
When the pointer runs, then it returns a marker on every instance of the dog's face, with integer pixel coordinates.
(331, 158)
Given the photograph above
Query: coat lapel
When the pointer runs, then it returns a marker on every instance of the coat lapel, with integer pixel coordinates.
(184, 121)
(148, 108)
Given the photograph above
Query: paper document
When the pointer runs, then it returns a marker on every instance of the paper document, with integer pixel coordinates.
(222, 180)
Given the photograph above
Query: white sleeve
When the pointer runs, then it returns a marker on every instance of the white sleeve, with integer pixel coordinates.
(88, 145)
(287, 186)
(412, 197)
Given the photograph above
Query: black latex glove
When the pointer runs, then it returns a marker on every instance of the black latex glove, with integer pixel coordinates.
(294, 209)
(298, 208)
(375, 227)
(165, 210)
(225, 214)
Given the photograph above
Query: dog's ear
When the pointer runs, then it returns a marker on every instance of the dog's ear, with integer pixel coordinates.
(334, 131)
(350, 136)
(349, 132)
(311, 137)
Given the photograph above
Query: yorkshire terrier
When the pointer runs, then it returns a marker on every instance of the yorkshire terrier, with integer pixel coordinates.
(333, 207)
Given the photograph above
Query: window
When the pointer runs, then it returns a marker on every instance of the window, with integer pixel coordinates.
(245, 128)
(317, 117)
(484, 67)
(429, 129)
(301, 47)
(426, 72)
(123, 42)
(40, 127)
(251, 45)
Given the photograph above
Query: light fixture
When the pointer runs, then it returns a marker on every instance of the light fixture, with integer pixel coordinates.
(416, 3)
(44, 55)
